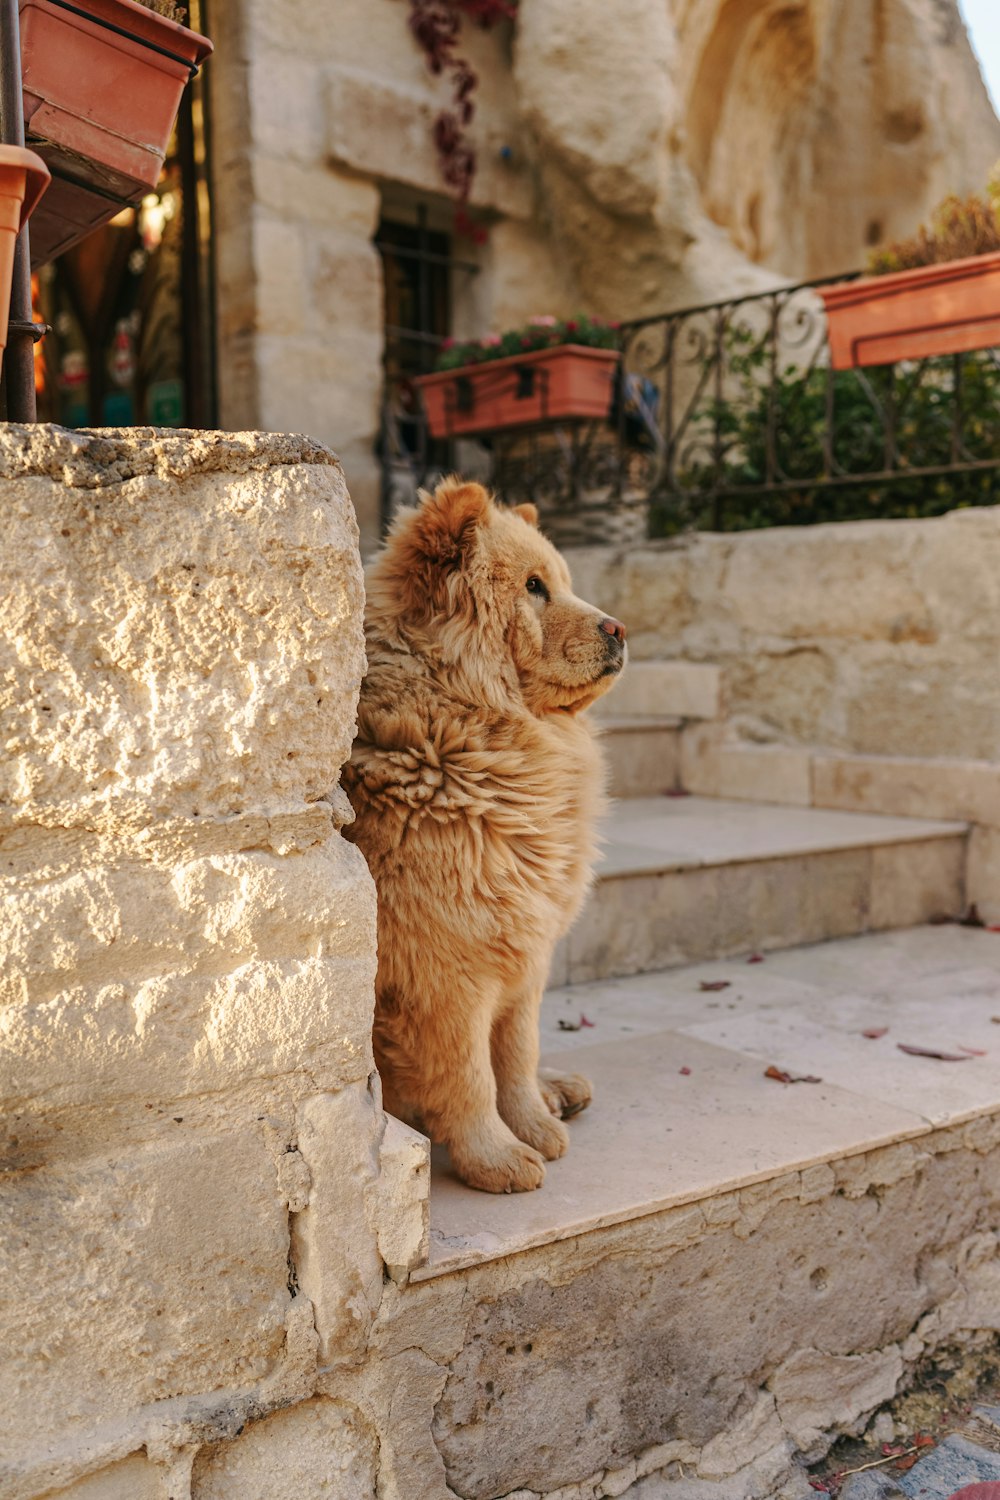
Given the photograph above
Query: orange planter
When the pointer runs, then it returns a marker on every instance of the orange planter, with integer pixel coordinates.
(944, 309)
(102, 82)
(23, 179)
(569, 381)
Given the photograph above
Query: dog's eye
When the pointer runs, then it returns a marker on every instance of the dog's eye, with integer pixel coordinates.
(535, 586)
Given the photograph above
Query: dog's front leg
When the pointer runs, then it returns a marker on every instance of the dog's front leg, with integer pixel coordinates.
(520, 1099)
(455, 1091)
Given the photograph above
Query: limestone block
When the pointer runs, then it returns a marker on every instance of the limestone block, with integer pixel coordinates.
(319, 1448)
(133, 1479)
(404, 1187)
(334, 1243)
(815, 1390)
(903, 786)
(180, 625)
(763, 773)
(701, 745)
(913, 883)
(314, 194)
(345, 281)
(280, 264)
(325, 386)
(286, 115)
(153, 982)
(148, 1273)
(383, 127)
(682, 689)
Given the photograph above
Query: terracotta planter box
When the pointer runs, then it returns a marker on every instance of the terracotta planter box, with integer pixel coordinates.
(569, 381)
(946, 309)
(23, 179)
(101, 92)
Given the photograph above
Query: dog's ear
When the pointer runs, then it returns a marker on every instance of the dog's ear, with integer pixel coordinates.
(446, 522)
(429, 545)
(527, 512)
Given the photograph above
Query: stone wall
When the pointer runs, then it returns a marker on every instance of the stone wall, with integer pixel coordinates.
(196, 1169)
(668, 156)
(874, 637)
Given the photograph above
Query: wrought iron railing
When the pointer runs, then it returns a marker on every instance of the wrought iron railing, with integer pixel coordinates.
(730, 415)
(749, 424)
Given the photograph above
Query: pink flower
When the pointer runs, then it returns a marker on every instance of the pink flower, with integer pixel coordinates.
(491, 341)
(571, 327)
(447, 343)
(546, 322)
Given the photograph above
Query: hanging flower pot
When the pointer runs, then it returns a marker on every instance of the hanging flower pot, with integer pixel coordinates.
(941, 309)
(23, 179)
(102, 82)
(564, 382)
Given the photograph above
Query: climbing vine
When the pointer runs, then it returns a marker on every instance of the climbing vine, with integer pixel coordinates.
(436, 26)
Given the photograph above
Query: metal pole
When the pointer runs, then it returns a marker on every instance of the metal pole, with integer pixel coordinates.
(19, 357)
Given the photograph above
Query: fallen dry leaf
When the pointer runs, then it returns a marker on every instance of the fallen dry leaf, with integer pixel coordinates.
(973, 1051)
(585, 1022)
(676, 792)
(906, 1463)
(714, 984)
(756, 958)
(780, 1076)
(874, 1032)
(685, 1072)
(933, 1052)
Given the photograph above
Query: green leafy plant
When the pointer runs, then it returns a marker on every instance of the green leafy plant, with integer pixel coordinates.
(958, 228)
(539, 333)
(788, 418)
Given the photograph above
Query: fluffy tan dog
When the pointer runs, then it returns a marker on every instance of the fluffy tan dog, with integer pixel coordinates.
(476, 780)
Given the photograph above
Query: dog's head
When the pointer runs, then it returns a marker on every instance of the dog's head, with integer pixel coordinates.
(477, 586)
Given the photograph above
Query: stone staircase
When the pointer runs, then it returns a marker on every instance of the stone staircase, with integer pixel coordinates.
(729, 1268)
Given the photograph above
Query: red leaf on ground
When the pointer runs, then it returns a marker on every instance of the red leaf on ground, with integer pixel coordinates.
(585, 1022)
(923, 1440)
(906, 1463)
(891, 1450)
(756, 958)
(685, 1072)
(676, 792)
(973, 1051)
(714, 984)
(874, 1032)
(993, 927)
(933, 1052)
(818, 1484)
(780, 1076)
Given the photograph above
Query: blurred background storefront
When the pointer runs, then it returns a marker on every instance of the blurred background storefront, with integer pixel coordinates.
(131, 308)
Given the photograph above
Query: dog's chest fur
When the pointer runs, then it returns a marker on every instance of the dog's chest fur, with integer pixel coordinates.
(497, 810)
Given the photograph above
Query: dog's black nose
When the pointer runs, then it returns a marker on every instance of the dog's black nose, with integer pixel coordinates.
(615, 628)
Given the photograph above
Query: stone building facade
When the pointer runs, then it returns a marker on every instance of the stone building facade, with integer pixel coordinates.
(630, 159)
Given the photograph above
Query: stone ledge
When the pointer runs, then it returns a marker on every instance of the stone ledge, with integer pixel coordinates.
(92, 458)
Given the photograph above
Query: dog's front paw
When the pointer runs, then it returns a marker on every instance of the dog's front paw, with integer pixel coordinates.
(534, 1123)
(516, 1168)
(566, 1094)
